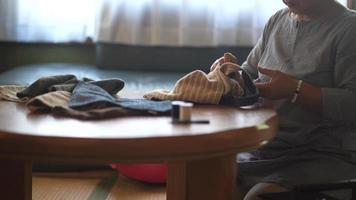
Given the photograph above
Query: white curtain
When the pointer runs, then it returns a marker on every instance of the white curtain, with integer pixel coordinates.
(7, 18)
(47, 20)
(185, 22)
(138, 22)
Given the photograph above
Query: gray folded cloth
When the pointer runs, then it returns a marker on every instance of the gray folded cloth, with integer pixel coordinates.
(42, 85)
(67, 83)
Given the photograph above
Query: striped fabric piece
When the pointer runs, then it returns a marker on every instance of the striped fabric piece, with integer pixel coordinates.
(8, 92)
(200, 87)
(48, 101)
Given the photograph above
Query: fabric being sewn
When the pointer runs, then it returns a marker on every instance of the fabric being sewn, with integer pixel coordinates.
(199, 87)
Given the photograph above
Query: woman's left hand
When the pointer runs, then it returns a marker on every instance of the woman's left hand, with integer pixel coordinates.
(280, 86)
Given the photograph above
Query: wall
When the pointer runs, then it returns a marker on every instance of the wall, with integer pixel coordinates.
(183, 59)
(115, 55)
(15, 54)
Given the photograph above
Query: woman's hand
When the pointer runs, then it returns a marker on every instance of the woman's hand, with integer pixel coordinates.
(280, 86)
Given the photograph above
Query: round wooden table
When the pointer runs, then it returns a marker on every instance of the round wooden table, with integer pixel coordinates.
(201, 158)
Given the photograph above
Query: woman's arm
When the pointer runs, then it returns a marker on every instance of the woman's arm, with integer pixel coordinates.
(282, 86)
(251, 63)
(339, 102)
(336, 103)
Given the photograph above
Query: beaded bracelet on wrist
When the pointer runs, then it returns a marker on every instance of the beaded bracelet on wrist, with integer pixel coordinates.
(297, 91)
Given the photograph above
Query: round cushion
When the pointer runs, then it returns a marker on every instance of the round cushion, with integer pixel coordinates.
(150, 173)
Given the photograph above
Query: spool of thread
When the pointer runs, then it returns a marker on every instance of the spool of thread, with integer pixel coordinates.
(185, 112)
(181, 111)
(175, 110)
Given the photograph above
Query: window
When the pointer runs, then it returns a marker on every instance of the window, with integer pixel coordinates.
(145, 22)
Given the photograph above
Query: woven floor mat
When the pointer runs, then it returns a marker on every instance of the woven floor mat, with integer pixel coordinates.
(95, 185)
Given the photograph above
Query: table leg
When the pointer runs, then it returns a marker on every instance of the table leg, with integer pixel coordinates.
(212, 178)
(15, 179)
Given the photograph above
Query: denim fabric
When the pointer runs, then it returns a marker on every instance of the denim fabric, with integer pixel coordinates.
(88, 96)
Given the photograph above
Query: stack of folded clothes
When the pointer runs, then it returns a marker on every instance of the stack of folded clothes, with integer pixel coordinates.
(65, 95)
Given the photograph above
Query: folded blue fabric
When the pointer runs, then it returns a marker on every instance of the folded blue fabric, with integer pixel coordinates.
(88, 96)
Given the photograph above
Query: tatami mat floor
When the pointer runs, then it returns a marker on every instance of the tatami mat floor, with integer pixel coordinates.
(94, 185)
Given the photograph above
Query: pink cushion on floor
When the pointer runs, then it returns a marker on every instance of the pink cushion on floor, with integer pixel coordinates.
(150, 173)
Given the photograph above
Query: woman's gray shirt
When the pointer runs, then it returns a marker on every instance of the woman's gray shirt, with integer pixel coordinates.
(322, 53)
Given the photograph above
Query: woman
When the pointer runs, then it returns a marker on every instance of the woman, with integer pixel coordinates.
(305, 62)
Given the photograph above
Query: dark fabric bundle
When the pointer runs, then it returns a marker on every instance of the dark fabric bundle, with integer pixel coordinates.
(67, 83)
(250, 95)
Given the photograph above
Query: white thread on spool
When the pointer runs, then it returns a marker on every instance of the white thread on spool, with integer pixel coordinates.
(185, 111)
